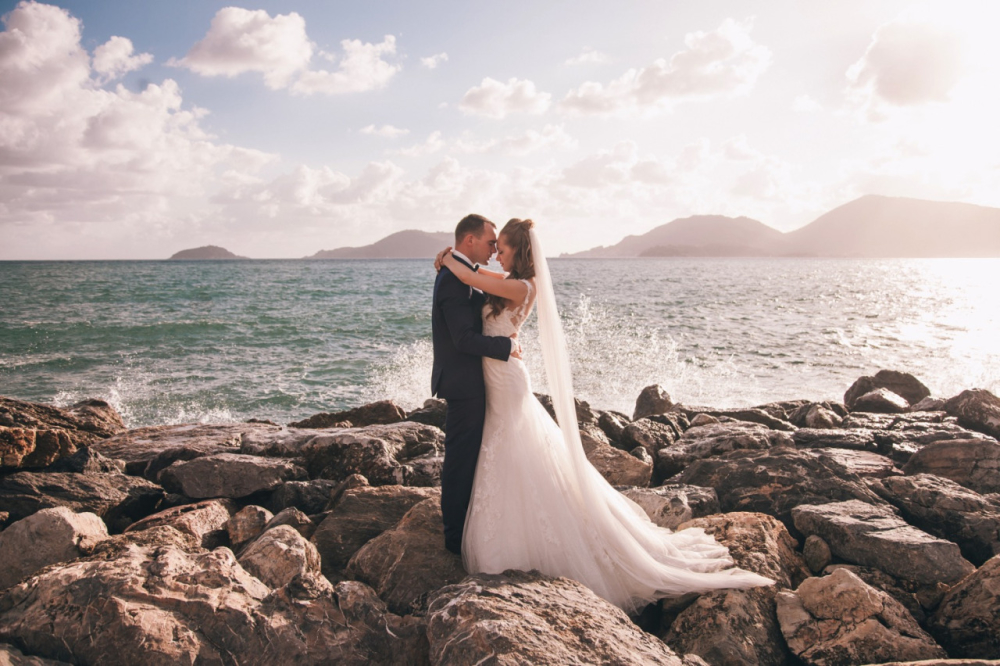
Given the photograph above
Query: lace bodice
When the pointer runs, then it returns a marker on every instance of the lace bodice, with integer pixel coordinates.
(509, 321)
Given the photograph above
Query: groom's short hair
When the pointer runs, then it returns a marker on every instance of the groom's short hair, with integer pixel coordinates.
(471, 224)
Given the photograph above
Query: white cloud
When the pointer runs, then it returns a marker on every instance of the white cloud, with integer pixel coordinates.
(551, 137)
(588, 57)
(724, 62)
(432, 62)
(387, 131)
(495, 99)
(361, 68)
(240, 41)
(431, 145)
(115, 58)
(806, 104)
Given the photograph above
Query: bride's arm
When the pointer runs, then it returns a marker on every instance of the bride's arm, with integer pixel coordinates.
(512, 290)
(492, 274)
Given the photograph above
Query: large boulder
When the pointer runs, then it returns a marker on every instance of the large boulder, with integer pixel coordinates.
(28, 447)
(36, 435)
(279, 555)
(650, 435)
(838, 619)
(977, 409)
(154, 597)
(974, 464)
(864, 463)
(434, 412)
(46, 537)
(882, 401)
(902, 384)
(204, 521)
(947, 510)
(119, 499)
(713, 440)
(232, 475)
(407, 563)
(672, 504)
(383, 412)
(360, 515)
(736, 627)
(309, 497)
(529, 618)
(967, 623)
(776, 480)
(818, 415)
(875, 536)
(617, 467)
(247, 524)
(652, 400)
(87, 461)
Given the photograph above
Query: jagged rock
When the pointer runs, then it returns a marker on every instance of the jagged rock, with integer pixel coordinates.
(703, 420)
(246, 524)
(295, 519)
(616, 466)
(279, 442)
(819, 415)
(915, 598)
(652, 400)
(408, 562)
(11, 656)
(155, 598)
(739, 626)
(310, 497)
(864, 463)
(874, 536)
(279, 555)
(929, 404)
(776, 480)
(359, 516)
(383, 412)
(204, 521)
(947, 510)
(882, 401)
(46, 537)
(36, 435)
(713, 440)
(670, 505)
(642, 454)
(168, 457)
(857, 439)
(353, 481)
(613, 424)
(751, 415)
(87, 461)
(230, 475)
(584, 414)
(977, 409)
(405, 453)
(140, 446)
(529, 618)
(120, 500)
(974, 464)
(28, 447)
(648, 434)
(838, 619)
(902, 384)
(967, 623)
(434, 412)
(816, 553)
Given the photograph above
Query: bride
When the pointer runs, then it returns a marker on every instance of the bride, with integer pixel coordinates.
(537, 502)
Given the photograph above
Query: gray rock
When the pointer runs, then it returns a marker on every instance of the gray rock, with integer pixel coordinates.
(839, 619)
(929, 404)
(310, 497)
(703, 420)
(246, 524)
(881, 400)
(230, 475)
(819, 416)
(816, 553)
(915, 598)
(528, 618)
(652, 400)
(279, 555)
(434, 412)
(46, 537)
(864, 463)
(408, 562)
(648, 434)
(295, 519)
(361, 515)
(204, 521)
(967, 623)
(118, 499)
(874, 536)
(947, 510)
(714, 440)
(751, 415)
(613, 424)
(974, 464)
(670, 505)
(383, 412)
(856, 439)
(977, 409)
(87, 461)
(902, 384)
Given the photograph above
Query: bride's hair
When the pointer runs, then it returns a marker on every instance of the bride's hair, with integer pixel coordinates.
(516, 234)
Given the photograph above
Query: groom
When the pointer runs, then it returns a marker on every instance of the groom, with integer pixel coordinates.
(457, 377)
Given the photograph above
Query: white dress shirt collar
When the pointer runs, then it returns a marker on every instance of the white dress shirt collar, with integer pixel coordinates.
(465, 258)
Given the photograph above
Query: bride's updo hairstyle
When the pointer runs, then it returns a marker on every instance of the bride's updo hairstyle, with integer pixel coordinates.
(516, 235)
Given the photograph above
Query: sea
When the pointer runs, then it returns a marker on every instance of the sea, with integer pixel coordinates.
(170, 342)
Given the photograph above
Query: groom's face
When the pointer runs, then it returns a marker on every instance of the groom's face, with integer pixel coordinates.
(484, 246)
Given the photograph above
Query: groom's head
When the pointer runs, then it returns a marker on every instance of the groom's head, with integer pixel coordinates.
(476, 238)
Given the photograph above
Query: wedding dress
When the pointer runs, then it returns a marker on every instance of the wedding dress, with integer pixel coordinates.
(538, 503)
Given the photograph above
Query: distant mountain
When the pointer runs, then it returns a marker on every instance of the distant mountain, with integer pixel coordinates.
(692, 233)
(206, 252)
(878, 226)
(409, 244)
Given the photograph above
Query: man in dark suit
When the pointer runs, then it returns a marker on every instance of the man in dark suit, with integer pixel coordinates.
(457, 377)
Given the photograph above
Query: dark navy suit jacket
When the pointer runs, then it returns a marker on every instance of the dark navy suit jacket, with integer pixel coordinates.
(459, 343)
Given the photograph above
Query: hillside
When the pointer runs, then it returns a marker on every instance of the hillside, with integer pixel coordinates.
(210, 252)
(409, 244)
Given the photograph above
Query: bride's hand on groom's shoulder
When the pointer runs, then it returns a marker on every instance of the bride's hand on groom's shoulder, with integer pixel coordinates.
(440, 258)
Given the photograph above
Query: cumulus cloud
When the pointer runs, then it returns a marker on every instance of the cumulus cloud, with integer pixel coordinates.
(494, 99)
(429, 146)
(432, 62)
(588, 57)
(115, 58)
(242, 40)
(550, 137)
(723, 62)
(907, 63)
(387, 131)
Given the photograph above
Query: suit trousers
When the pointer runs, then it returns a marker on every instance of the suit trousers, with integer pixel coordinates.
(462, 440)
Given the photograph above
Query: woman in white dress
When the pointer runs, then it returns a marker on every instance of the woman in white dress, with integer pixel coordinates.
(537, 502)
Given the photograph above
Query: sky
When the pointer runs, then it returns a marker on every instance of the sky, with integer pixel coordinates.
(133, 130)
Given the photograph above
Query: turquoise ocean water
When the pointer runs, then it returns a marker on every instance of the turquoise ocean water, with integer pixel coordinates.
(172, 342)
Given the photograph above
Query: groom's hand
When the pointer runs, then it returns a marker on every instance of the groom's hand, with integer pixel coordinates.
(515, 348)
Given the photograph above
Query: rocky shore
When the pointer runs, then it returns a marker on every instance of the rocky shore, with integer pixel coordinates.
(319, 541)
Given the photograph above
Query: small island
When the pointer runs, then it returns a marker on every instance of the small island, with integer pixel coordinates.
(207, 252)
